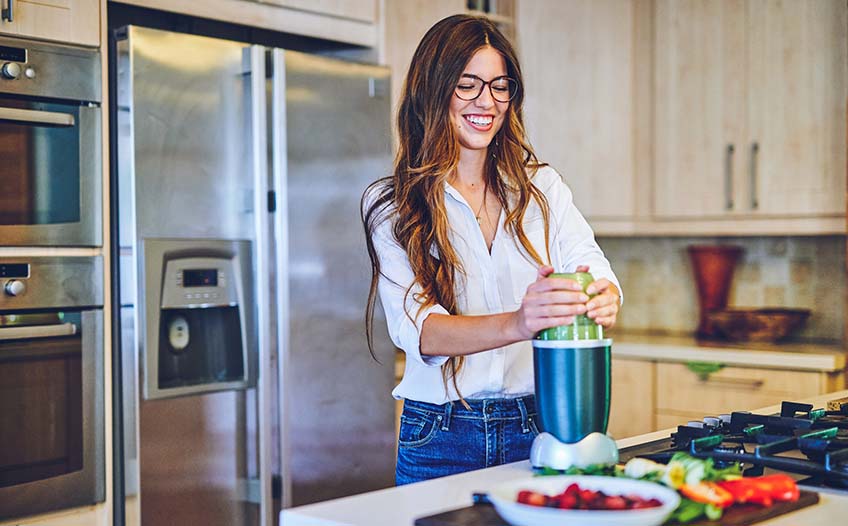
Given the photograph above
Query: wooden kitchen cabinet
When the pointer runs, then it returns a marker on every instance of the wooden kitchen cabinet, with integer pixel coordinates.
(749, 110)
(683, 395)
(66, 21)
(405, 23)
(632, 394)
(578, 64)
(364, 10)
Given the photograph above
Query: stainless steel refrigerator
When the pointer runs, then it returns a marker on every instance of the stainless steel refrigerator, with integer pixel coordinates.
(244, 277)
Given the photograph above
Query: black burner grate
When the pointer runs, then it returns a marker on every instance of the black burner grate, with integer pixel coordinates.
(800, 440)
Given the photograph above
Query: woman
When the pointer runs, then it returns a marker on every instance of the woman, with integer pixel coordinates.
(462, 238)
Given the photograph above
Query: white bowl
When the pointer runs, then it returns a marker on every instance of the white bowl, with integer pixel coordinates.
(504, 499)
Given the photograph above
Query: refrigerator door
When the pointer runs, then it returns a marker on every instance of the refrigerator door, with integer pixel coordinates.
(331, 131)
(186, 139)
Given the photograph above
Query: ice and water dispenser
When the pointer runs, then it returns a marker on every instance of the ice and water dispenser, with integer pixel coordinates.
(200, 319)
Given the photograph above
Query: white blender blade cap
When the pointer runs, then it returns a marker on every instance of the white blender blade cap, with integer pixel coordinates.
(594, 449)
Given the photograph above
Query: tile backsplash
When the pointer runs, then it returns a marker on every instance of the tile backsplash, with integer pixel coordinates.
(801, 272)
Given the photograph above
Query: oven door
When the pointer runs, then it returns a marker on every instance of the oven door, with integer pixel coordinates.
(50, 173)
(51, 411)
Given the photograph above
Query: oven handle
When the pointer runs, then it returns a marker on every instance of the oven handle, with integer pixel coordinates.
(37, 331)
(37, 117)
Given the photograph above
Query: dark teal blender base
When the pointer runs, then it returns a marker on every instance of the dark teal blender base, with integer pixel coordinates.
(572, 401)
(572, 387)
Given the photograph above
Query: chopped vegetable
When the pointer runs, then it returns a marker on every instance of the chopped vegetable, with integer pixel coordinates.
(638, 468)
(707, 493)
(762, 490)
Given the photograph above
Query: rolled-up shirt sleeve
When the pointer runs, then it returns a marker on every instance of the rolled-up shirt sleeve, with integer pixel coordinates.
(404, 315)
(574, 237)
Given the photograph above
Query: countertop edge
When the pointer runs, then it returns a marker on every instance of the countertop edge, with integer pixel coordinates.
(825, 360)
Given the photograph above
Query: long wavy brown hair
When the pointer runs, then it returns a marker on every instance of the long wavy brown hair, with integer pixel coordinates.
(428, 154)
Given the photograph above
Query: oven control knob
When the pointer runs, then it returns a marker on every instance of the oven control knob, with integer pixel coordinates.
(11, 70)
(14, 287)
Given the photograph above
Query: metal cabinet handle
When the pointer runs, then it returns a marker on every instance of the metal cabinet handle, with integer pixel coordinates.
(8, 12)
(728, 177)
(37, 331)
(50, 118)
(752, 173)
(740, 382)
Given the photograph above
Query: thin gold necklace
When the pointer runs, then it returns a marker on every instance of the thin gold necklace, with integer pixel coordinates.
(482, 205)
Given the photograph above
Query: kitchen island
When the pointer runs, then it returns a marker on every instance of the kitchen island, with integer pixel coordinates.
(402, 505)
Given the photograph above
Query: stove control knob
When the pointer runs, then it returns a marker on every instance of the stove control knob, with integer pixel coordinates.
(11, 70)
(712, 421)
(14, 287)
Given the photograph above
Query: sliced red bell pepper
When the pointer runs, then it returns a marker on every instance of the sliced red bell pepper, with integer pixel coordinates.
(762, 490)
(707, 493)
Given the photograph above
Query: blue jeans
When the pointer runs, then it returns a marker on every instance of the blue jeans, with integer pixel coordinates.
(439, 440)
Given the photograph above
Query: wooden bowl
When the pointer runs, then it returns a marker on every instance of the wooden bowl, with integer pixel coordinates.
(758, 325)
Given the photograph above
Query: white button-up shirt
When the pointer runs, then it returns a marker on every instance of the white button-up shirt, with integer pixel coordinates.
(493, 283)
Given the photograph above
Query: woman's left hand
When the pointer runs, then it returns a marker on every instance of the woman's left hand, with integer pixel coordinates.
(603, 308)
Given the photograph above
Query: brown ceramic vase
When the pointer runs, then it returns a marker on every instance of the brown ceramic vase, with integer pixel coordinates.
(713, 266)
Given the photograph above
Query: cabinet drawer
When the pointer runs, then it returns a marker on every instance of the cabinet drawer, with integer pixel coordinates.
(631, 398)
(681, 391)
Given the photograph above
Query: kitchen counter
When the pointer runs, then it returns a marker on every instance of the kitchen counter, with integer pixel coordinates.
(790, 355)
(402, 505)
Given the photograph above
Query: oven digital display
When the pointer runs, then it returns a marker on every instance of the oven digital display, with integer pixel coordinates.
(200, 277)
(15, 54)
(14, 270)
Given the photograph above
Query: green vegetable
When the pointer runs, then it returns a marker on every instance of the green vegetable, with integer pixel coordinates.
(688, 511)
(597, 470)
(705, 469)
(712, 512)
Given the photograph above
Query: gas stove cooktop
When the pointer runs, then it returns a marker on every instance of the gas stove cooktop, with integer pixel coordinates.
(808, 443)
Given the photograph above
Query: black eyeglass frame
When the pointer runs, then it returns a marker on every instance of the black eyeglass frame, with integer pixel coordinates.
(484, 83)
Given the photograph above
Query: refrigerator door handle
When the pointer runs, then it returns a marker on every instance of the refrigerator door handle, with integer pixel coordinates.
(279, 162)
(262, 282)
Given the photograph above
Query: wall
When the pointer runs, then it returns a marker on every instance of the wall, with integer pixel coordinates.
(803, 272)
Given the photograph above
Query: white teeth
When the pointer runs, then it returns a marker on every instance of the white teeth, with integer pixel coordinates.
(479, 121)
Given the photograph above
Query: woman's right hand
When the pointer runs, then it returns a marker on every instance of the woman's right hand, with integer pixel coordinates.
(548, 302)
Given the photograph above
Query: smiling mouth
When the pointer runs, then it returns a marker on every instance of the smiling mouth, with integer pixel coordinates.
(480, 122)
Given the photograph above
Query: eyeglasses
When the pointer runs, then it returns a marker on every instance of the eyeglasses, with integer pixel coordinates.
(503, 89)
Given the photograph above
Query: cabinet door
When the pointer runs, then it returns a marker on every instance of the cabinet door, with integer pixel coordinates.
(364, 10)
(797, 89)
(684, 395)
(71, 21)
(699, 112)
(632, 398)
(406, 21)
(577, 60)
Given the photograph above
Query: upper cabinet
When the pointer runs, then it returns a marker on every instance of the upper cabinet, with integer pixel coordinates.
(353, 22)
(797, 89)
(405, 22)
(577, 62)
(67, 21)
(364, 10)
(699, 106)
(749, 114)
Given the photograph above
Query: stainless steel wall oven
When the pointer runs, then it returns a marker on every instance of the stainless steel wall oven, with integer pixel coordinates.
(50, 130)
(51, 384)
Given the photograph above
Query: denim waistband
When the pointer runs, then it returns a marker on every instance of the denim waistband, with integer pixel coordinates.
(485, 409)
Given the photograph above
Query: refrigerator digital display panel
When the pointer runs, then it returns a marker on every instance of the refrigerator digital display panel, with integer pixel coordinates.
(200, 277)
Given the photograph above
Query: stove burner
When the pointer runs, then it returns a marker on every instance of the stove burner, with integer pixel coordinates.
(801, 440)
